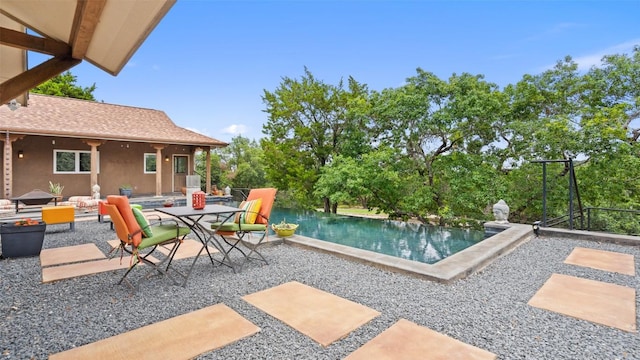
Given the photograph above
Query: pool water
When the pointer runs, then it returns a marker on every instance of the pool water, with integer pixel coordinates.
(426, 244)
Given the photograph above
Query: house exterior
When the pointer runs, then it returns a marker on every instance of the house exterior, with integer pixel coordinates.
(80, 143)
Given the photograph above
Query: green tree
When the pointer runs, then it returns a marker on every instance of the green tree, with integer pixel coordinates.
(543, 123)
(310, 122)
(428, 120)
(610, 122)
(454, 147)
(612, 91)
(590, 117)
(239, 165)
(245, 163)
(218, 168)
(64, 85)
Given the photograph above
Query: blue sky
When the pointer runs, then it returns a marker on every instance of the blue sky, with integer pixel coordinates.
(208, 63)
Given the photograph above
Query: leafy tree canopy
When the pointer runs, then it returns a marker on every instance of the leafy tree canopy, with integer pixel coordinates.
(454, 147)
(64, 85)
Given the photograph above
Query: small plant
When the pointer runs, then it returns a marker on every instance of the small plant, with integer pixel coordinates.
(284, 225)
(55, 188)
(26, 222)
(126, 187)
(284, 229)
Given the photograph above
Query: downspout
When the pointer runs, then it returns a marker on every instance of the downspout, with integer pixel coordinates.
(7, 166)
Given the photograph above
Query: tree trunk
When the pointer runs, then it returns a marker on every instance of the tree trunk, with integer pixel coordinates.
(334, 208)
(327, 205)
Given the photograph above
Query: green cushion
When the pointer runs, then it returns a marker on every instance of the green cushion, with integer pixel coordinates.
(143, 222)
(229, 226)
(162, 233)
(136, 206)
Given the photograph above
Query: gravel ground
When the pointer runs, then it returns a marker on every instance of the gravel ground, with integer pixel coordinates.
(488, 309)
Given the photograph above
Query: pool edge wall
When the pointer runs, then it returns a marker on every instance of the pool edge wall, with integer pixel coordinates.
(455, 267)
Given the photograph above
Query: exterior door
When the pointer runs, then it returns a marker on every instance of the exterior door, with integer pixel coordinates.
(180, 167)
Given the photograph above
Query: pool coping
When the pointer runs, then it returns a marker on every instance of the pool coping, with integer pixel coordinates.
(457, 266)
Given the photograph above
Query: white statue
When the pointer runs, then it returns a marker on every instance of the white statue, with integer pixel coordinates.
(501, 212)
(227, 190)
(95, 192)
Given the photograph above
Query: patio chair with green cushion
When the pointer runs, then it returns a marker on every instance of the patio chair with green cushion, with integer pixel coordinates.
(254, 221)
(140, 238)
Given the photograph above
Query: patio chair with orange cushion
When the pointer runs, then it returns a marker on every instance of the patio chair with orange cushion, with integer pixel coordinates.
(140, 238)
(253, 221)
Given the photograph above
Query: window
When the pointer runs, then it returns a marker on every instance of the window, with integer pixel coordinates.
(149, 163)
(72, 162)
(180, 164)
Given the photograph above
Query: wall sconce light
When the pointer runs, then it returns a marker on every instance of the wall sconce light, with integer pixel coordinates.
(166, 158)
(20, 154)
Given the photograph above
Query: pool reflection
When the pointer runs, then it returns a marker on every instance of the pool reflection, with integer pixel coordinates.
(426, 244)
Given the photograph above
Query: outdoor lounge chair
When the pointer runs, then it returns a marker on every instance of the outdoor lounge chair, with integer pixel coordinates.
(141, 241)
(252, 222)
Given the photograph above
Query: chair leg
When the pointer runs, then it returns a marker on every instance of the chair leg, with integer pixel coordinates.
(252, 247)
(234, 244)
(155, 267)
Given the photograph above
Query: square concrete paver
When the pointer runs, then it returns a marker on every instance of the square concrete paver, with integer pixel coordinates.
(70, 254)
(599, 302)
(188, 248)
(602, 260)
(322, 316)
(406, 340)
(181, 337)
(55, 273)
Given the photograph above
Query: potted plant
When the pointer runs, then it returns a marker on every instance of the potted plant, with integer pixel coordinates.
(56, 190)
(284, 229)
(126, 190)
(22, 238)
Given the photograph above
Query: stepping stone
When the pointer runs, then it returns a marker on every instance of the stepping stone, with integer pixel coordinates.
(322, 316)
(599, 302)
(188, 248)
(406, 340)
(70, 254)
(181, 337)
(602, 260)
(54, 273)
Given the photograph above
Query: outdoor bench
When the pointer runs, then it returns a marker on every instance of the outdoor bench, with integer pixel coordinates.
(59, 215)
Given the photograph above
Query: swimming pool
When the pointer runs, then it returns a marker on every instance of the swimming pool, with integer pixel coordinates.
(415, 242)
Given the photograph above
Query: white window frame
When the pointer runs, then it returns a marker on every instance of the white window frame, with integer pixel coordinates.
(77, 161)
(144, 168)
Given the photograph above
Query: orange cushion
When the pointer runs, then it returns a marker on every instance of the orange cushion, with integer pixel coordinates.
(118, 222)
(268, 195)
(122, 203)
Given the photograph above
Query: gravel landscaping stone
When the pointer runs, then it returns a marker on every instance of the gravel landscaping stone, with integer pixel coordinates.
(488, 309)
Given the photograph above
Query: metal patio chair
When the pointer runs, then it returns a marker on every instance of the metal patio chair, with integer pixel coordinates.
(238, 234)
(132, 241)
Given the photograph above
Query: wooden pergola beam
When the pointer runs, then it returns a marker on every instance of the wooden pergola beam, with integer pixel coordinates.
(66, 56)
(85, 21)
(31, 78)
(42, 45)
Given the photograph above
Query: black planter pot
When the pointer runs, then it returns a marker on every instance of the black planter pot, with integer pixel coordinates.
(21, 241)
(126, 192)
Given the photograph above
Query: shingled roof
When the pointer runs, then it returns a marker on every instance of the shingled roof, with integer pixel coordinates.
(67, 117)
